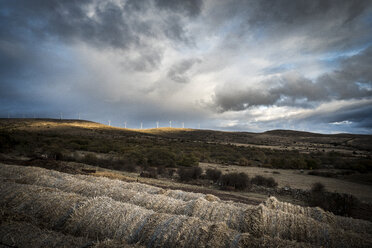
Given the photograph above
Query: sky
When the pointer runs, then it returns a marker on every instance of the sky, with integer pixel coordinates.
(237, 65)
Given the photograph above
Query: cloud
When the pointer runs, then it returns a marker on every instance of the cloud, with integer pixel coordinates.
(318, 26)
(190, 7)
(121, 25)
(178, 72)
(357, 112)
(353, 80)
(242, 63)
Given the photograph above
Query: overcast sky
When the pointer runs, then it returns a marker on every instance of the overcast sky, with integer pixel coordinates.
(223, 64)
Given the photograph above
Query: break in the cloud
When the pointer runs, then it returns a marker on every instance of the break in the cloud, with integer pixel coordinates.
(230, 64)
(352, 80)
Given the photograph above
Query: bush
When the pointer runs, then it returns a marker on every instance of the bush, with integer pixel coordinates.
(187, 174)
(340, 204)
(55, 154)
(243, 162)
(239, 181)
(161, 157)
(264, 181)
(317, 188)
(150, 173)
(213, 174)
(90, 159)
(322, 173)
(171, 172)
(188, 161)
(130, 167)
(312, 164)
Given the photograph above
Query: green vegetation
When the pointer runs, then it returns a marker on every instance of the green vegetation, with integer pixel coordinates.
(187, 174)
(129, 149)
(264, 181)
(213, 174)
(238, 181)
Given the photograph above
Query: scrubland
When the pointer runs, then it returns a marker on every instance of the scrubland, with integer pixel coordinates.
(70, 183)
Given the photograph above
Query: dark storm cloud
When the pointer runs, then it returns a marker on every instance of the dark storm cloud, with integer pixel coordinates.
(300, 11)
(103, 24)
(358, 114)
(190, 7)
(353, 80)
(322, 24)
(178, 72)
(115, 25)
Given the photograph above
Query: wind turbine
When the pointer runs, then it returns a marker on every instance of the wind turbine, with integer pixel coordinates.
(157, 124)
(170, 123)
(141, 125)
(125, 124)
(60, 117)
(183, 124)
(109, 123)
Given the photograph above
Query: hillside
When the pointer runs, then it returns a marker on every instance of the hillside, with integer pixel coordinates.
(185, 147)
(273, 138)
(170, 187)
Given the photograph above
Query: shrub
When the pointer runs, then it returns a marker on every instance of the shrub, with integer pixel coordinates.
(188, 161)
(161, 157)
(150, 173)
(55, 154)
(213, 174)
(171, 172)
(161, 170)
(312, 164)
(243, 161)
(186, 174)
(264, 181)
(90, 159)
(278, 163)
(322, 173)
(7, 141)
(130, 167)
(317, 196)
(340, 204)
(239, 181)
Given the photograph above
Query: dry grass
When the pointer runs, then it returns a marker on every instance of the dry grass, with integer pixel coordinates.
(318, 214)
(298, 227)
(154, 219)
(112, 175)
(50, 178)
(40, 202)
(205, 207)
(22, 234)
(103, 218)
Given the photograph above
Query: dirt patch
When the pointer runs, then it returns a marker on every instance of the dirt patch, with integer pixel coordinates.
(296, 179)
